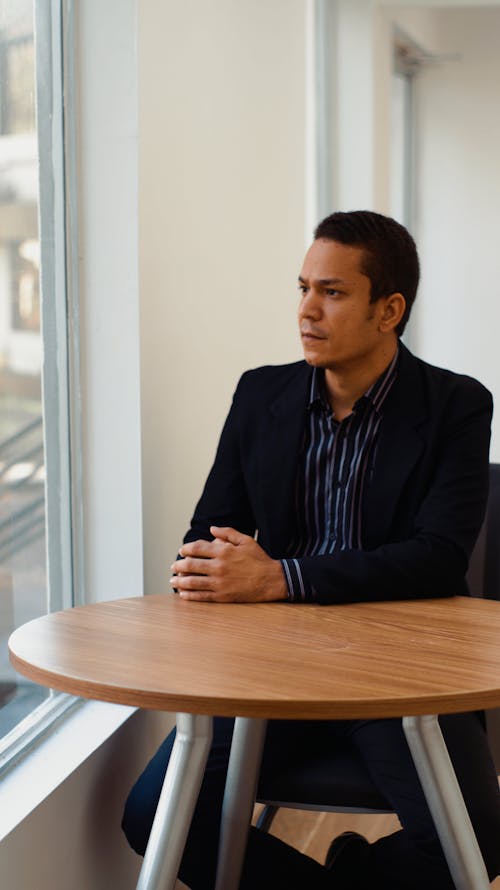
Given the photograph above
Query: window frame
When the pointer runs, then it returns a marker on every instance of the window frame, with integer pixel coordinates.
(54, 328)
(54, 39)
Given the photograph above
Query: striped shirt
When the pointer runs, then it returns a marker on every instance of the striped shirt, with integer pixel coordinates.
(335, 466)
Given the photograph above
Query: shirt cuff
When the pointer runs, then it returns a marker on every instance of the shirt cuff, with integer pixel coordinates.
(299, 591)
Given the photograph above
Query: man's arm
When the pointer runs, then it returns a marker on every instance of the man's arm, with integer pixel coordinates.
(223, 562)
(225, 500)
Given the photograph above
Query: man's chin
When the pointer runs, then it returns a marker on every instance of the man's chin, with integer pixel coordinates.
(316, 362)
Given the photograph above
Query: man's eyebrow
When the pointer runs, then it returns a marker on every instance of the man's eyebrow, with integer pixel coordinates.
(325, 282)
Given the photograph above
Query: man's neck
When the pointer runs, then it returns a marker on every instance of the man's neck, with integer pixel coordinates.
(344, 386)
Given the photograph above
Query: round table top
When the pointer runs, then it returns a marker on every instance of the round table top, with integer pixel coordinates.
(271, 659)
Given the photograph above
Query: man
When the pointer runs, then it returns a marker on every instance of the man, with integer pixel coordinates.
(359, 474)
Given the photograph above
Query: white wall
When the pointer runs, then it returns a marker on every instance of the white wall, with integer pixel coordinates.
(73, 838)
(221, 231)
(361, 44)
(107, 261)
(459, 200)
(457, 313)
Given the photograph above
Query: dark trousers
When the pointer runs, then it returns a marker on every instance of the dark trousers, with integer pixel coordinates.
(408, 859)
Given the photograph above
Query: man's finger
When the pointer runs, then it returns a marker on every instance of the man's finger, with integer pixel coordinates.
(199, 596)
(231, 535)
(190, 582)
(191, 566)
(197, 548)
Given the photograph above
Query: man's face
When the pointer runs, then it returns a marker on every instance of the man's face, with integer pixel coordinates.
(339, 326)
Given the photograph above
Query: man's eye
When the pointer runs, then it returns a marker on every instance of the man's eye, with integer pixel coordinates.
(302, 289)
(331, 292)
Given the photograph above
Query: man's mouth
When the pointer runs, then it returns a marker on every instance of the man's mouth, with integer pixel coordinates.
(312, 335)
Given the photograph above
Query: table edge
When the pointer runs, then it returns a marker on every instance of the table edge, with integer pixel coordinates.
(261, 708)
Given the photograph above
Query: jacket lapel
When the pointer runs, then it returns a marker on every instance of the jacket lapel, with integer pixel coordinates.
(279, 457)
(400, 445)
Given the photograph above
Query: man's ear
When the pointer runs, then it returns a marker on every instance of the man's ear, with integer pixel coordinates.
(393, 310)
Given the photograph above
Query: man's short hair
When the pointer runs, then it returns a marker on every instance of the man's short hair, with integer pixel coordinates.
(390, 258)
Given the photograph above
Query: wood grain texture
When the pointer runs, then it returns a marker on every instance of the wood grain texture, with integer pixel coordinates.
(280, 660)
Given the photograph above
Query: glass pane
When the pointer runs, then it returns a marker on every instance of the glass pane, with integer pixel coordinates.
(23, 585)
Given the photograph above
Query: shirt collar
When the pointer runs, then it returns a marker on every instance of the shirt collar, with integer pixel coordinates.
(376, 394)
(378, 391)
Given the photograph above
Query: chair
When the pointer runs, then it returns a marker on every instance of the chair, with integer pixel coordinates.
(339, 782)
(483, 578)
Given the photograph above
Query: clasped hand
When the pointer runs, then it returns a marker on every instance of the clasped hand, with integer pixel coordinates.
(232, 568)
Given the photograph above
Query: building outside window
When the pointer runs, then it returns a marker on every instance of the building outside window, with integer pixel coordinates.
(31, 419)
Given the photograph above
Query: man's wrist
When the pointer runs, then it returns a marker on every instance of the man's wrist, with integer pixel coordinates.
(276, 586)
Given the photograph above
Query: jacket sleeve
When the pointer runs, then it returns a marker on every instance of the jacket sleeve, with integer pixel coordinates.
(430, 561)
(225, 500)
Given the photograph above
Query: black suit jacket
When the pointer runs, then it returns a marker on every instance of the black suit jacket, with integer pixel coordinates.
(423, 507)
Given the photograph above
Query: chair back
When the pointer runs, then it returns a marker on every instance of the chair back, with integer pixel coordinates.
(483, 579)
(483, 576)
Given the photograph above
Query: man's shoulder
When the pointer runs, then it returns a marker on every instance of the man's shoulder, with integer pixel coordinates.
(442, 381)
(268, 373)
(273, 386)
(273, 379)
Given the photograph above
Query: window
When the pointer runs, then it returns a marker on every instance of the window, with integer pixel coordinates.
(35, 507)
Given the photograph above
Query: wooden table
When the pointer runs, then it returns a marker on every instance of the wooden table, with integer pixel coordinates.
(407, 659)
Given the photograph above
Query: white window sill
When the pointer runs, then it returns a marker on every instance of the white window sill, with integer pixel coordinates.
(36, 775)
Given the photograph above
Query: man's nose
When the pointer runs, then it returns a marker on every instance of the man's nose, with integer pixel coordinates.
(310, 306)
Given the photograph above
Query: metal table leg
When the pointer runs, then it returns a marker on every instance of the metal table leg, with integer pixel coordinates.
(177, 802)
(446, 803)
(239, 797)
